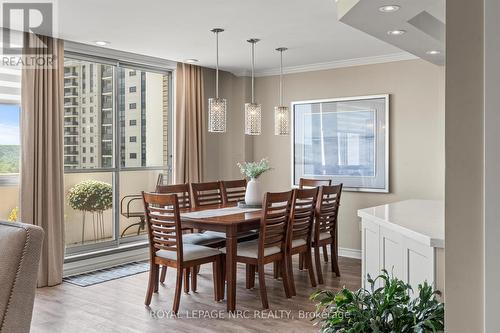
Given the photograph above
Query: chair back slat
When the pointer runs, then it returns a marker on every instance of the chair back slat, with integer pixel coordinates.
(163, 223)
(327, 209)
(274, 222)
(233, 190)
(205, 194)
(305, 182)
(182, 190)
(302, 214)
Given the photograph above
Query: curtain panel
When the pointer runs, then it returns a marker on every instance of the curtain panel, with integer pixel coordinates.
(189, 110)
(42, 159)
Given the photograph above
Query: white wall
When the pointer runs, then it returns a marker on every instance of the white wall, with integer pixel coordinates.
(416, 131)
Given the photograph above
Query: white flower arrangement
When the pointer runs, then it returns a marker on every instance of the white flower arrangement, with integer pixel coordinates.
(254, 169)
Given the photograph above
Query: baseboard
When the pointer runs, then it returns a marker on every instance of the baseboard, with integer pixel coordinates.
(350, 253)
(105, 261)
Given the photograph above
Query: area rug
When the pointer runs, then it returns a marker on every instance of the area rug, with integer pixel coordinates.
(108, 274)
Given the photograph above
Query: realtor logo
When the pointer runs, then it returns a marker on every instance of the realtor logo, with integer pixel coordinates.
(35, 18)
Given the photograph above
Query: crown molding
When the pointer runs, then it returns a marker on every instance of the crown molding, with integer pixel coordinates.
(333, 64)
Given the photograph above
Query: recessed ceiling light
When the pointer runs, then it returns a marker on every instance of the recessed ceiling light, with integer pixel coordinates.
(389, 8)
(433, 52)
(101, 43)
(396, 32)
(190, 61)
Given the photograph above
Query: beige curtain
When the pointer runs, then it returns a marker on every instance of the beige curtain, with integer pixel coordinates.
(42, 165)
(189, 109)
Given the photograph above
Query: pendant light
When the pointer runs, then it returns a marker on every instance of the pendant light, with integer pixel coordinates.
(217, 106)
(253, 111)
(281, 112)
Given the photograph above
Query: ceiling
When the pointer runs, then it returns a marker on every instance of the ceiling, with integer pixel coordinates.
(179, 30)
(423, 21)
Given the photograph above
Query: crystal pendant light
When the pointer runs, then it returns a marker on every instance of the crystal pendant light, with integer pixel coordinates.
(253, 111)
(281, 112)
(217, 106)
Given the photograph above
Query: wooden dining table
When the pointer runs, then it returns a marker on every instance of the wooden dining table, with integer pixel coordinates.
(232, 225)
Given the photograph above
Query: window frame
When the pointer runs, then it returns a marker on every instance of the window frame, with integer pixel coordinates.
(119, 59)
(12, 179)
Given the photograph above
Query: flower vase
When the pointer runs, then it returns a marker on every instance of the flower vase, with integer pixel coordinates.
(253, 194)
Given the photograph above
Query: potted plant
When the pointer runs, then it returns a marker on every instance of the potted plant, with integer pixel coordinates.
(386, 309)
(92, 196)
(252, 170)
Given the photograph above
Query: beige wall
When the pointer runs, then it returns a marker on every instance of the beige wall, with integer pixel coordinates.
(416, 131)
(464, 167)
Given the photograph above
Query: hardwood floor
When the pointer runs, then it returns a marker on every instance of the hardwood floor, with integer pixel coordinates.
(118, 305)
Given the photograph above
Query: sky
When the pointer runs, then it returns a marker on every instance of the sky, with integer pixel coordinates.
(9, 124)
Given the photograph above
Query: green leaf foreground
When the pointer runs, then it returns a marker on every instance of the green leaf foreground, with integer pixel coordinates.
(388, 309)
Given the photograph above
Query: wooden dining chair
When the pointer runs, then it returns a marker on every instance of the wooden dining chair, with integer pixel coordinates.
(207, 238)
(306, 183)
(300, 231)
(205, 194)
(233, 191)
(325, 228)
(271, 244)
(166, 246)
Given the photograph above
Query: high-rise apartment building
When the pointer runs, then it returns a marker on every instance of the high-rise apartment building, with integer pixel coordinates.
(89, 107)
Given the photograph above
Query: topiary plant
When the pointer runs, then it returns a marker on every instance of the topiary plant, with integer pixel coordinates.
(386, 309)
(92, 196)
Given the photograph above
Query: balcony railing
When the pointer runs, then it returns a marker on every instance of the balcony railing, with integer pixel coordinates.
(107, 88)
(70, 151)
(70, 131)
(70, 122)
(72, 113)
(107, 136)
(107, 121)
(107, 72)
(70, 141)
(70, 74)
(70, 83)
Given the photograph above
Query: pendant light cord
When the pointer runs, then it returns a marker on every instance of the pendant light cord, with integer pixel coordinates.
(281, 78)
(217, 65)
(253, 65)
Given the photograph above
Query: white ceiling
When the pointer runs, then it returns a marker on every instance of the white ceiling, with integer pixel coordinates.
(178, 30)
(423, 21)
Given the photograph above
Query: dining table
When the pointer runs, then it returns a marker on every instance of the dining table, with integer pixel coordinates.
(232, 221)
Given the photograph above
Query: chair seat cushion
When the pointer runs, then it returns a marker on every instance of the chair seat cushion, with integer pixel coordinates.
(190, 252)
(298, 242)
(324, 235)
(203, 238)
(250, 249)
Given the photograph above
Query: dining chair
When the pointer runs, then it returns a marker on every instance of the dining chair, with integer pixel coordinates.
(233, 190)
(166, 246)
(207, 238)
(325, 228)
(305, 183)
(271, 244)
(205, 194)
(300, 231)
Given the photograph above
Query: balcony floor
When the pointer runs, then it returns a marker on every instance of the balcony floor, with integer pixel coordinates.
(117, 306)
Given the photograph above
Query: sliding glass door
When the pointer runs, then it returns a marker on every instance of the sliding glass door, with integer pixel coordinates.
(116, 144)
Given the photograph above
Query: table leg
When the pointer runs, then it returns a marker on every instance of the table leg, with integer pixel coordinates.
(231, 252)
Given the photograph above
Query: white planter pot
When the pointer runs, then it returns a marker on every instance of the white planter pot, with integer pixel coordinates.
(253, 194)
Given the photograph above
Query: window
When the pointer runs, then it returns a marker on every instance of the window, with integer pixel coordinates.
(84, 150)
(112, 152)
(83, 110)
(344, 140)
(9, 144)
(84, 120)
(84, 159)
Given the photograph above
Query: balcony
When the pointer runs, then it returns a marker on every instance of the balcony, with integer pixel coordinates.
(107, 106)
(107, 89)
(70, 74)
(71, 141)
(70, 151)
(106, 121)
(69, 122)
(70, 94)
(70, 84)
(107, 136)
(70, 113)
(70, 132)
(70, 161)
(107, 73)
(70, 105)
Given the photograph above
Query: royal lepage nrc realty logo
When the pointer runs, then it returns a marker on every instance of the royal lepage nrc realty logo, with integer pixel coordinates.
(24, 25)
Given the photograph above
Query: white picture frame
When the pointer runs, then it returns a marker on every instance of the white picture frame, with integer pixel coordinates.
(352, 138)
